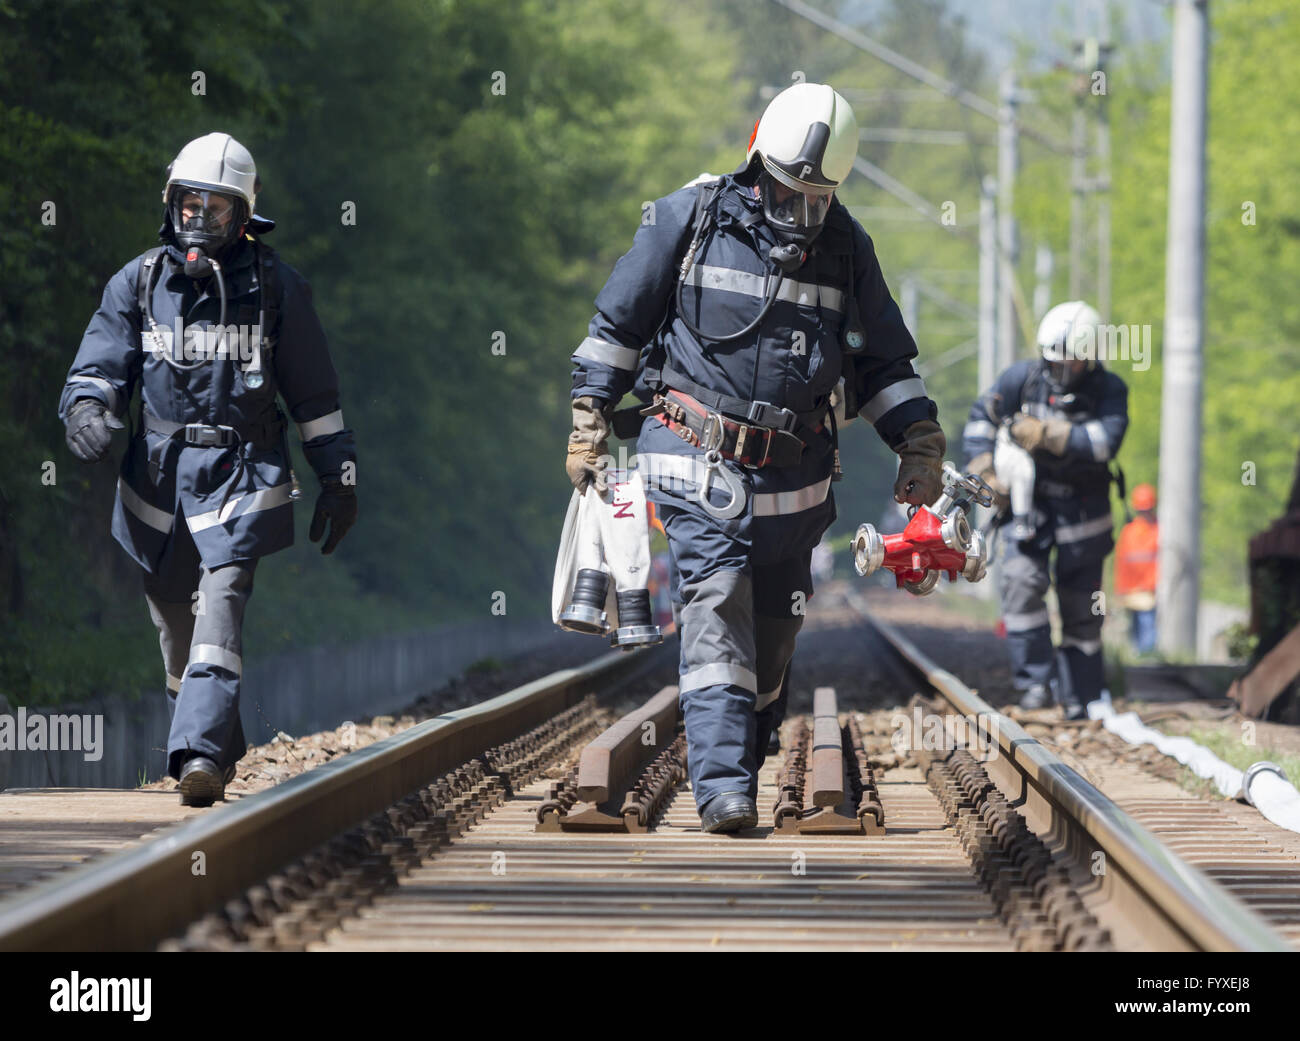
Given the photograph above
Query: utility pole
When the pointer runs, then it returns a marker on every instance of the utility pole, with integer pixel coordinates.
(1103, 165)
(1078, 157)
(988, 300)
(1008, 246)
(911, 305)
(1044, 264)
(1178, 595)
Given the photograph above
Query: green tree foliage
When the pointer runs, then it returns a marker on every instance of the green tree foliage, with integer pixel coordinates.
(479, 211)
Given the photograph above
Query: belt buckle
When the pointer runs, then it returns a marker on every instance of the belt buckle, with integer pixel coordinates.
(714, 434)
(788, 418)
(203, 435)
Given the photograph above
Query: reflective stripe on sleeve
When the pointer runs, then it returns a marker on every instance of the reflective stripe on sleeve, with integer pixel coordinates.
(330, 423)
(102, 384)
(266, 499)
(979, 428)
(157, 519)
(610, 354)
(1086, 646)
(173, 683)
(1100, 442)
(717, 673)
(211, 654)
(1088, 529)
(893, 396)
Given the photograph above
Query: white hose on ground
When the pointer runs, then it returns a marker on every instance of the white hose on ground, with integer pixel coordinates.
(1264, 785)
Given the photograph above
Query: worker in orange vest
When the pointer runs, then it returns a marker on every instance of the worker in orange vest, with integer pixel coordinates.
(1135, 569)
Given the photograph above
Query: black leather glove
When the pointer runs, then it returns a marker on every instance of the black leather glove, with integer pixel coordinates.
(338, 504)
(90, 429)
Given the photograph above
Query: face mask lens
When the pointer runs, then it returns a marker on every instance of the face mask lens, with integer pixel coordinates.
(205, 211)
(787, 209)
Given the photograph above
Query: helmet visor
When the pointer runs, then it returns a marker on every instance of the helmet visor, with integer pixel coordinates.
(1065, 374)
(205, 218)
(794, 216)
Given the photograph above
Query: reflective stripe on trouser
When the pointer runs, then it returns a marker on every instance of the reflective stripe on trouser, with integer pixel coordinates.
(737, 636)
(205, 651)
(718, 683)
(1023, 580)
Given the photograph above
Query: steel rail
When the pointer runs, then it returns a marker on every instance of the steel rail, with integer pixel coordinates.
(137, 897)
(1177, 906)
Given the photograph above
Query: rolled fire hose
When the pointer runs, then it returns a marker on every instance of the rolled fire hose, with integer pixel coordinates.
(1264, 785)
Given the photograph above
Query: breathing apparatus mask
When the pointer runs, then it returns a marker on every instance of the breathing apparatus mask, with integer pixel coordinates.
(795, 217)
(205, 224)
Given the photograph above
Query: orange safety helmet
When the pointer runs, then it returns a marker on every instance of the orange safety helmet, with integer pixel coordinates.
(1144, 497)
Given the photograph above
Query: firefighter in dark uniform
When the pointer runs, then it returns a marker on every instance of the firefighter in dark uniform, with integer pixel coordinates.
(1070, 414)
(210, 326)
(741, 305)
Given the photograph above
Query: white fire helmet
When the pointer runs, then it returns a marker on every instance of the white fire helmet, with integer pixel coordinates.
(215, 164)
(1067, 337)
(806, 139)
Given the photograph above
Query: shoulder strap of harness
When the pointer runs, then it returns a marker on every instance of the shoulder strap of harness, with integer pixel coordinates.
(268, 280)
(142, 279)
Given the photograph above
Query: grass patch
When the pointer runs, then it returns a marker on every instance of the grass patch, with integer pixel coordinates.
(484, 667)
(1235, 752)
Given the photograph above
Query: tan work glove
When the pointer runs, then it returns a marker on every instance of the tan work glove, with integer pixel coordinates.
(983, 465)
(588, 444)
(920, 464)
(1032, 434)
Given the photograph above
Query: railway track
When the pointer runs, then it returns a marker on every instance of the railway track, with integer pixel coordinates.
(540, 820)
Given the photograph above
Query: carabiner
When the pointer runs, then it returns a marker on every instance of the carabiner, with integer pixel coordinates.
(711, 444)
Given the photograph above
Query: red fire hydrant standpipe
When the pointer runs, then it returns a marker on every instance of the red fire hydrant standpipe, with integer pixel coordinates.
(938, 538)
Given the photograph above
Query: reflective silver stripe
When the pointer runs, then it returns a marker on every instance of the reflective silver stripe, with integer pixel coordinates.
(776, 504)
(173, 682)
(1100, 442)
(1087, 646)
(157, 519)
(330, 423)
(766, 699)
(266, 499)
(1068, 533)
(980, 428)
(718, 672)
(211, 654)
(1020, 623)
(103, 385)
(810, 294)
(893, 396)
(660, 469)
(608, 354)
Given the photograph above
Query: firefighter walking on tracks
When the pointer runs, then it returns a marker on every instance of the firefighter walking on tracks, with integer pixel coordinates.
(1070, 414)
(210, 327)
(742, 303)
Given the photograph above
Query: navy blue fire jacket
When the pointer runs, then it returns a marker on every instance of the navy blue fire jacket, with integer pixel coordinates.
(235, 499)
(793, 359)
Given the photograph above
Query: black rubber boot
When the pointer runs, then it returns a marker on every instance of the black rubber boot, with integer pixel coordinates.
(730, 811)
(202, 782)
